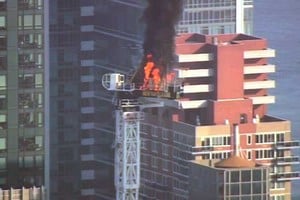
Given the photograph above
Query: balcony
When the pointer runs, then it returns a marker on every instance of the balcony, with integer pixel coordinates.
(190, 104)
(292, 160)
(259, 69)
(202, 57)
(263, 100)
(251, 85)
(287, 145)
(266, 53)
(198, 88)
(286, 176)
(198, 150)
(192, 73)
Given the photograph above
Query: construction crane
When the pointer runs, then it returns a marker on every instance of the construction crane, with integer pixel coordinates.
(127, 142)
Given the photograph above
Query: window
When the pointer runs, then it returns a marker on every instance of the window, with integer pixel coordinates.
(26, 119)
(154, 131)
(30, 21)
(243, 118)
(154, 162)
(29, 81)
(221, 155)
(31, 143)
(262, 154)
(249, 139)
(278, 197)
(234, 176)
(265, 138)
(165, 165)
(280, 137)
(165, 149)
(28, 161)
(3, 121)
(2, 101)
(2, 144)
(39, 160)
(155, 146)
(3, 43)
(165, 134)
(2, 163)
(2, 22)
(30, 40)
(249, 154)
(216, 141)
(2, 82)
(30, 4)
(3, 63)
(38, 80)
(2, 5)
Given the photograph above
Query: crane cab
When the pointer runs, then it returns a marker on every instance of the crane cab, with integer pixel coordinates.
(116, 82)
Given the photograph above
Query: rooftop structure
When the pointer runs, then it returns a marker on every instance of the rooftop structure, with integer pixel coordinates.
(245, 182)
(235, 162)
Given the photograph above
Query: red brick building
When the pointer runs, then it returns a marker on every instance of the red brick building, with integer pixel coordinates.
(226, 84)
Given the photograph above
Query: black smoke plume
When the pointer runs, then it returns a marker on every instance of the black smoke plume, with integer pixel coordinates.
(161, 17)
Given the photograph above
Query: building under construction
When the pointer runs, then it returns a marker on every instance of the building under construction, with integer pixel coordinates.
(219, 114)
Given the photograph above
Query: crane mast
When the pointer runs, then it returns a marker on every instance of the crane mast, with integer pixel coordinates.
(127, 137)
(127, 149)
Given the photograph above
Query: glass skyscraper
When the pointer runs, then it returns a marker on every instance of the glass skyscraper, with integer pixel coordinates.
(64, 99)
(217, 17)
(22, 92)
(87, 40)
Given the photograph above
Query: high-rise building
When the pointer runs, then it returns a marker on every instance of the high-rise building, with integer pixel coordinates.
(110, 41)
(224, 82)
(87, 40)
(216, 17)
(64, 134)
(22, 92)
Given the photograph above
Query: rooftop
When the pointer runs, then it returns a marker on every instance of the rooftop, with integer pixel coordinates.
(235, 162)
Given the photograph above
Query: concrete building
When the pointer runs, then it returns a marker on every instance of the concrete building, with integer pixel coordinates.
(216, 17)
(22, 93)
(225, 93)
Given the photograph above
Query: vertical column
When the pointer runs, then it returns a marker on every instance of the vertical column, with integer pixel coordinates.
(12, 90)
(47, 100)
(239, 16)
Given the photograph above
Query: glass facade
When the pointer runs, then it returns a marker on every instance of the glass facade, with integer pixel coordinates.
(110, 42)
(22, 148)
(64, 99)
(215, 16)
(245, 184)
(87, 40)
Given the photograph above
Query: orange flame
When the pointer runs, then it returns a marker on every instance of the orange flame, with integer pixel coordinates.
(156, 78)
(150, 70)
(170, 77)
